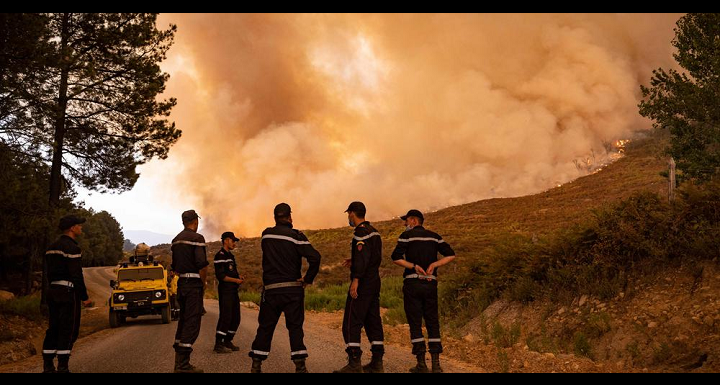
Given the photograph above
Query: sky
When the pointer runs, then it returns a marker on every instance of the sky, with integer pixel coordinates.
(398, 111)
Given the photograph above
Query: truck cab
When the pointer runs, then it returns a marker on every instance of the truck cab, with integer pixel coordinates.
(140, 289)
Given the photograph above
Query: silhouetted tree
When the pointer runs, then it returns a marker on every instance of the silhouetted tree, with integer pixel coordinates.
(686, 103)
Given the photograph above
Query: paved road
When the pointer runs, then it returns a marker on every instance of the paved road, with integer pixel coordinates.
(144, 345)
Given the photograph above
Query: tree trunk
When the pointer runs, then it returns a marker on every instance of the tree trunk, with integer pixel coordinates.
(56, 170)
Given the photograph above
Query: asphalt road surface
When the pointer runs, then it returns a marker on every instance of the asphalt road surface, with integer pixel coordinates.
(144, 345)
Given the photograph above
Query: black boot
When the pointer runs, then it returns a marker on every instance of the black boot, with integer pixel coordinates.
(354, 364)
(48, 363)
(220, 346)
(228, 344)
(63, 361)
(421, 366)
(256, 366)
(436, 368)
(375, 365)
(300, 365)
(182, 363)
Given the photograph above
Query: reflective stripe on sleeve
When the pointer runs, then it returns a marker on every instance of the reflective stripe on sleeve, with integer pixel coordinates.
(189, 243)
(420, 239)
(366, 237)
(284, 238)
(58, 252)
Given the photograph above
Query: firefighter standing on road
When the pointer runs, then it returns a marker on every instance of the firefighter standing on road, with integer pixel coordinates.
(283, 250)
(65, 292)
(229, 282)
(189, 261)
(362, 308)
(172, 291)
(417, 251)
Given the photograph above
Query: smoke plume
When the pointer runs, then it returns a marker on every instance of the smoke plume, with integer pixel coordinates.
(398, 111)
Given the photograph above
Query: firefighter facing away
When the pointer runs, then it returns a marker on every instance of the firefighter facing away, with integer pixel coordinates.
(65, 292)
(284, 288)
(417, 251)
(362, 308)
(189, 261)
(229, 281)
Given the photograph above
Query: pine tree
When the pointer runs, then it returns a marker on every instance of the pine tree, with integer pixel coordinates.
(686, 103)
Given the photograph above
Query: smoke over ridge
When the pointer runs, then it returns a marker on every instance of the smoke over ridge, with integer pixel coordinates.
(398, 111)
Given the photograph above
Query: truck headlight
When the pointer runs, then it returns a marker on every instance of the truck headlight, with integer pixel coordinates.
(158, 294)
(121, 298)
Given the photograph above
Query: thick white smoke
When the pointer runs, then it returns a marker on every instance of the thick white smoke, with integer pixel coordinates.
(399, 111)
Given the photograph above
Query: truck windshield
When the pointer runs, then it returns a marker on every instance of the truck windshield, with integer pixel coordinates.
(140, 274)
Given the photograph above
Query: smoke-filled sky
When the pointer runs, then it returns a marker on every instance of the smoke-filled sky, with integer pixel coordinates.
(398, 111)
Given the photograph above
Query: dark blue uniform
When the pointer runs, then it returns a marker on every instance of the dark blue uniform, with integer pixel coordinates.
(188, 258)
(364, 311)
(65, 293)
(283, 250)
(421, 247)
(228, 297)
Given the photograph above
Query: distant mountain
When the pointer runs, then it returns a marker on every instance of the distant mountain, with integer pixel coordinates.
(148, 237)
(128, 245)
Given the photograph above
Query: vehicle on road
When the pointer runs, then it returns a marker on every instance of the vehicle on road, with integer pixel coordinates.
(140, 289)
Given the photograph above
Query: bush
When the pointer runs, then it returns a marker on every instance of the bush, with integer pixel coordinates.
(395, 316)
(598, 257)
(250, 296)
(598, 324)
(582, 345)
(27, 306)
(505, 338)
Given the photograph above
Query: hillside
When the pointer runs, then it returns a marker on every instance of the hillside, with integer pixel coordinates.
(472, 227)
(666, 320)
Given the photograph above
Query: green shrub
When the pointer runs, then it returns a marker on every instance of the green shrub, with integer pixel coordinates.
(250, 296)
(598, 325)
(631, 238)
(28, 307)
(503, 361)
(505, 338)
(582, 345)
(395, 316)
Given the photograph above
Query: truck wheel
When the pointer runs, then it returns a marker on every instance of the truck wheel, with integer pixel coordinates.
(166, 315)
(114, 319)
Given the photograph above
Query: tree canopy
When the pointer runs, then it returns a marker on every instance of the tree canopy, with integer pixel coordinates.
(80, 92)
(686, 103)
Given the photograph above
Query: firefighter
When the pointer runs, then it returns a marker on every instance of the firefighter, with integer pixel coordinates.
(65, 292)
(283, 250)
(189, 261)
(417, 251)
(172, 291)
(362, 308)
(229, 281)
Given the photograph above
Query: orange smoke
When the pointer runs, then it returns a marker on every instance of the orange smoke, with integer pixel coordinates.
(399, 111)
